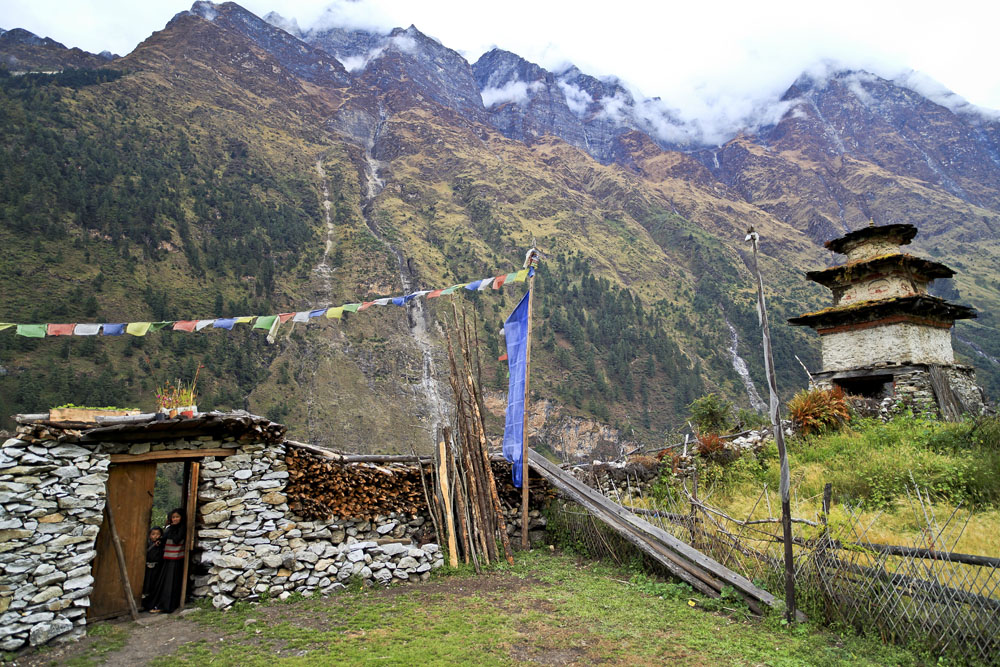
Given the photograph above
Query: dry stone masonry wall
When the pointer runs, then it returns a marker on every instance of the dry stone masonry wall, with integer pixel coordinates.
(52, 497)
(251, 545)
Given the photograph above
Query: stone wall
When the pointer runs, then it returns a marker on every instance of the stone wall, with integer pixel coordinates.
(903, 343)
(250, 544)
(52, 496)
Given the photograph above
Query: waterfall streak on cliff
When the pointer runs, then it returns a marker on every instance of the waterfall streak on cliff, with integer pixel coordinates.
(740, 366)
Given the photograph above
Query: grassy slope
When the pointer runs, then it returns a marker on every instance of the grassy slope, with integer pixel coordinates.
(870, 466)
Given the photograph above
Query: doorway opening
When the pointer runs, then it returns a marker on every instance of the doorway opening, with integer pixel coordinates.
(140, 494)
(868, 386)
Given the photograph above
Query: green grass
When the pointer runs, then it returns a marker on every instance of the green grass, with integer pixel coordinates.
(107, 638)
(548, 608)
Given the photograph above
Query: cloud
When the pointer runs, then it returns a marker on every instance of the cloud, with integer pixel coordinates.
(356, 63)
(577, 99)
(404, 43)
(512, 91)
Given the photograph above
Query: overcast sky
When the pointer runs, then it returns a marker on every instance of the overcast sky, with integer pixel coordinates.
(715, 57)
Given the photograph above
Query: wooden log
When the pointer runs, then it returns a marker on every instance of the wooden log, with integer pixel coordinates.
(446, 495)
(120, 557)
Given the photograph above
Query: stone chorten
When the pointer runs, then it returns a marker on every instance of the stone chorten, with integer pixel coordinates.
(885, 335)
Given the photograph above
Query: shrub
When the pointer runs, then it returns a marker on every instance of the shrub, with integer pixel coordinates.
(712, 446)
(816, 410)
(711, 414)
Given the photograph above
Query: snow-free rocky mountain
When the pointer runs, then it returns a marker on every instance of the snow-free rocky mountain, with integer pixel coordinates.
(234, 165)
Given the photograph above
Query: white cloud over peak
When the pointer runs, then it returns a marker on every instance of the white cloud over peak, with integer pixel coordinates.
(512, 91)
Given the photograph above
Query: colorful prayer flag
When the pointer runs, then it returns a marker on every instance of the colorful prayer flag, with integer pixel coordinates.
(301, 316)
(521, 275)
(516, 335)
(317, 312)
(366, 304)
(113, 329)
(499, 281)
(435, 294)
(264, 322)
(87, 330)
(137, 328)
(382, 302)
(335, 313)
(6, 325)
(485, 283)
(60, 329)
(224, 323)
(284, 317)
(451, 290)
(202, 324)
(245, 319)
(156, 326)
(185, 325)
(351, 307)
(474, 285)
(31, 330)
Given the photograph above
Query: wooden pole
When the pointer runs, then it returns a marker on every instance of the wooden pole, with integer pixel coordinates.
(446, 494)
(120, 556)
(524, 433)
(779, 435)
(192, 503)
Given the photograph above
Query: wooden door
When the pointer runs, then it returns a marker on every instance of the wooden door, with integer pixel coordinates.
(130, 497)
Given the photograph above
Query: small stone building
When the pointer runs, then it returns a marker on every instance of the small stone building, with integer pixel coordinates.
(60, 482)
(885, 335)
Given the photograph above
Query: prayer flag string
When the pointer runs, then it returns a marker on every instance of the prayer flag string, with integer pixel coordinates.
(268, 323)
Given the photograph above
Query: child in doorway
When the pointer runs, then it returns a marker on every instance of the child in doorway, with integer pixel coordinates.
(167, 595)
(154, 567)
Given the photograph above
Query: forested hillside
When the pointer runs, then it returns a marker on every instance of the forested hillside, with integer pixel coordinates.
(224, 169)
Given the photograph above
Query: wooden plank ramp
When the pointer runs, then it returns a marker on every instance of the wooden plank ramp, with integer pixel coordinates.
(680, 559)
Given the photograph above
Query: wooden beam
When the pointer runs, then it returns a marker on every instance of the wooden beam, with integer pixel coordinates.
(120, 555)
(446, 494)
(192, 502)
(171, 454)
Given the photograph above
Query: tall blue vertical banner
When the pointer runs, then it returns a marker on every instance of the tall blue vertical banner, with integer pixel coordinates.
(516, 334)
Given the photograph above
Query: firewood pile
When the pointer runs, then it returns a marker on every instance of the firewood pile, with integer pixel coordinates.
(320, 487)
(463, 497)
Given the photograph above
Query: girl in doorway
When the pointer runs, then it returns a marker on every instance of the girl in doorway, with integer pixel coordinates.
(168, 593)
(154, 567)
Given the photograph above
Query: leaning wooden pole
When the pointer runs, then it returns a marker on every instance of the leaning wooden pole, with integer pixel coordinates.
(779, 437)
(527, 378)
(122, 568)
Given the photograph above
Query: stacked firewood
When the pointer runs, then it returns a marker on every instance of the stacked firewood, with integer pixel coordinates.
(320, 487)
(466, 504)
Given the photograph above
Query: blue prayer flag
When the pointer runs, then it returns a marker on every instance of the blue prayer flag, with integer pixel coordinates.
(224, 323)
(399, 300)
(114, 329)
(474, 285)
(516, 335)
(318, 312)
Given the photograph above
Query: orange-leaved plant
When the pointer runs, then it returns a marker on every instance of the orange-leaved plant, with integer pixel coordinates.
(815, 410)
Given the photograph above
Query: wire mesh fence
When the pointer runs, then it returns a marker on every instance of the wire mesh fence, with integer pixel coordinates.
(922, 594)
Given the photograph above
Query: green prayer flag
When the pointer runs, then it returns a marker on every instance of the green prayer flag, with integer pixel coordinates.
(451, 290)
(31, 330)
(352, 307)
(156, 326)
(264, 322)
(138, 328)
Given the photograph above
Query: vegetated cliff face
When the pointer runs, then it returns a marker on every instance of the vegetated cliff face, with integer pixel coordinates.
(260, 169)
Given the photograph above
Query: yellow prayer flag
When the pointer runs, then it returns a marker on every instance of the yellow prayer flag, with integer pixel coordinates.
(138, 328)
(6, 325)
(245, 318)
(522, 275)
(335, 313)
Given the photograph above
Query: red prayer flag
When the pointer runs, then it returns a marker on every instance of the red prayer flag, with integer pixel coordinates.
(366, 304)
(60, 329)
(435, 293)
(499, 281)
(185, 325)
(502, 357)
(284, 317)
